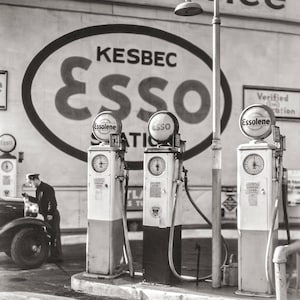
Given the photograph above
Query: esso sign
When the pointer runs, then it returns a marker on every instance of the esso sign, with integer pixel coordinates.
(162, 126)
(128, 70)
(256, 121)
(104, 125)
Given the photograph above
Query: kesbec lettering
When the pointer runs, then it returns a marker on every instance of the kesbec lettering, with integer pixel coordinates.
(136, 56)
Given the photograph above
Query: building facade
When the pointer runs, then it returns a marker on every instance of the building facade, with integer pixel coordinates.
(64, 61)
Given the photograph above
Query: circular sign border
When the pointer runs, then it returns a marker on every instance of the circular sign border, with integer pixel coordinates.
(14, 139)
(172, 116)
(108, 29)
(110, 113)
(271, 115)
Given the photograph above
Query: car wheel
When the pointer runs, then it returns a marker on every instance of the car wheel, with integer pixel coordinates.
(8, 253)
(29, 248)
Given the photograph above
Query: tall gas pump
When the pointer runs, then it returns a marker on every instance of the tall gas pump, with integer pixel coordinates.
(107, 226)
(259, 175)
(162, 189)
(8, 166)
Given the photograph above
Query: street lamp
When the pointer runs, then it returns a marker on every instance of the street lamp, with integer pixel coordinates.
(189, 8)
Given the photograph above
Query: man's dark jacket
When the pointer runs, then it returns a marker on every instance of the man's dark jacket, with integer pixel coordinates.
(45, 198)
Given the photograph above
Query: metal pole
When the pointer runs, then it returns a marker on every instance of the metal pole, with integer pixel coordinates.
(216, 154)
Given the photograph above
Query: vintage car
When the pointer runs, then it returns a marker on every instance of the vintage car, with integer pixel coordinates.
(24, 235)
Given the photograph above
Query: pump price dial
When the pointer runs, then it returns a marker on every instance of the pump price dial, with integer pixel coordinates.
(100, 163)
(7, 166)
(253, 164)
(156, 165)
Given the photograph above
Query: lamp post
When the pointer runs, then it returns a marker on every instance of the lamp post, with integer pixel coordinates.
(189, 8)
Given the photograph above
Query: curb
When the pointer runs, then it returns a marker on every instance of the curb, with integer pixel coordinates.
(127, 289)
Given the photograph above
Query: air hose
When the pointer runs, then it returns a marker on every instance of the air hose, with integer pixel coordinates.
(202, 214)
(171, 236)
(284, 204)
(128, 253)
(268, 256)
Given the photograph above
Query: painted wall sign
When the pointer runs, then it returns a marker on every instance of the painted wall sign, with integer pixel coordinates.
(293, 187)
(3, 90)
(135, 198)
(285, 103)
(131, 70)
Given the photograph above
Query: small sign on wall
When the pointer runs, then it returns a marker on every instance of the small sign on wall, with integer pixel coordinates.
(293, 187)
(3, 90)
(285, 103)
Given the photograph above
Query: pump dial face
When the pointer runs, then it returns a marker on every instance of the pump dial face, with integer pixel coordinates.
(253, 164)
(156, 165)
(100, 163)
(7, 166)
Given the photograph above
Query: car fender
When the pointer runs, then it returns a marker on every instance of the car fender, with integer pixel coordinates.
(22, 222)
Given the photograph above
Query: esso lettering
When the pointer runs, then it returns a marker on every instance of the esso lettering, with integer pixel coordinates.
(6, 143)
(109, 87)
(161, 126)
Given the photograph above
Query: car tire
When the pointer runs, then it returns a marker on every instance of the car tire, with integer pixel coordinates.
(8, 253)
(29, 248)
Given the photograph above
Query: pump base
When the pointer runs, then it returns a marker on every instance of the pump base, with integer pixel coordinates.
(104, 247)
(252, 246)
(155, 254)
(249, 294)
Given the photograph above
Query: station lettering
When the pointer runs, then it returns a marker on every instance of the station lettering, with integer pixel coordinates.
(134, 140)
(136, 56)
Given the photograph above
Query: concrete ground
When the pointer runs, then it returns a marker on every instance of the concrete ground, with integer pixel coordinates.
(67, 279)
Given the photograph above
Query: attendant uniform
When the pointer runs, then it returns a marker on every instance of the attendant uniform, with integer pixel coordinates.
(46, 200)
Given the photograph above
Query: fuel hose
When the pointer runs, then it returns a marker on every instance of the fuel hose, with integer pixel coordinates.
(125, 227)
(171, 236)
(268, 255)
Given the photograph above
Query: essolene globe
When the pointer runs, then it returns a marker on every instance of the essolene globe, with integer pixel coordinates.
(105, 124)
(256, 121)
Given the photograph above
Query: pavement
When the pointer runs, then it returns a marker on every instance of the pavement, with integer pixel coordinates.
(125, 287)
(29, 296)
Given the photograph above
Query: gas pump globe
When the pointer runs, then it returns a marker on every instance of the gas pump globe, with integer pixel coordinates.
(106, 213)
(257, 186)
(8, 166)
(162, 166)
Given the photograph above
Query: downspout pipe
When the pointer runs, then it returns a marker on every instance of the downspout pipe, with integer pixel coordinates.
(280, 256)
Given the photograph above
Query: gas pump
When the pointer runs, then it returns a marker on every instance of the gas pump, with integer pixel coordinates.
(259, 175)
(8, 166)
(162, 188)
(107, 224)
